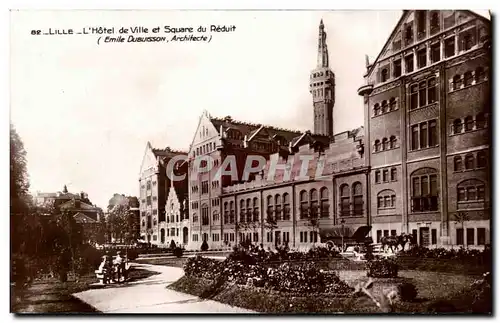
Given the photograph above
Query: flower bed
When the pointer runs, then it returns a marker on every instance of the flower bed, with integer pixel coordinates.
(382, 269)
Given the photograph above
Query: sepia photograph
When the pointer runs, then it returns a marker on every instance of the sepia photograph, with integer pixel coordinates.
(251, 162)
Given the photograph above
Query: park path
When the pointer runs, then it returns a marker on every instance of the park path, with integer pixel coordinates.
(150, 295)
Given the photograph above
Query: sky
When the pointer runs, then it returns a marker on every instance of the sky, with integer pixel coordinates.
(85, 111)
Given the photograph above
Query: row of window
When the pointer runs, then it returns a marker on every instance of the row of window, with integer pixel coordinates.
(385, 175)
(174, 218)
(386, 234)
(194, 205)
(215, 202)
(469, 123)
(215, 237)
(319, 74)
(470, 162)
(470, 237)
(277, 208)
(385, 107)
(468, 78)
(431, 53)
(314, 205)
(277, 237)
(385, 144)
(424, 135)
(423, 93)
(228, 237)
(205, 149)
(470, 190)
(424, 190)
(313, 235)
(351, 197)
(248, 237)
(386, 200)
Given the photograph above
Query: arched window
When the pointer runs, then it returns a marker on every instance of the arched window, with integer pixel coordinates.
(468, 78)
(384, 106)
(457, 126)
(386, 199)
(162, 235)
(286, 207)
(376, 109)
(480, 121)
(255, 209)
(479, 74)
(249, 210)
(314, 203)
(392, 104)
(377, 145)
(392, 143)
(277, 204)
(270, 207)
(304, 204)
(424, 190)
(470, 190)
(325, 204)
(457, 164)
(457, 82)
(215, 216)
(481, 159)
(357, 198)
(345, 200)
(242, 210)
(383, 75)
(469, 161)
(385, 144)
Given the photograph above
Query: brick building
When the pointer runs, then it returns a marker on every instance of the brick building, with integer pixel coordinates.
(154, 188)
(419, 164)
(427, 115)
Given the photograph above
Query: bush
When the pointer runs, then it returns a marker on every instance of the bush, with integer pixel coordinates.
(178, 252)
(382, 269)
(407, 291)
(204, 246)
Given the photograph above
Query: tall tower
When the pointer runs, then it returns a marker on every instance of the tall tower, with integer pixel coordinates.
(322, 88)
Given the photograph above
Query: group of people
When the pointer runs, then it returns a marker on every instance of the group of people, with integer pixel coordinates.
(114, 268)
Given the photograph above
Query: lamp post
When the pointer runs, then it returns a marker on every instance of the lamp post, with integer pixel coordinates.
(342, 222)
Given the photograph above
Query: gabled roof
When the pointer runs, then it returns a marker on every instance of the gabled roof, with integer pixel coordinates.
(82, 218)
(404, 15)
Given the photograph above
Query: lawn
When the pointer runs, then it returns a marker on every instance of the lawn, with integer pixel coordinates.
(53, 296)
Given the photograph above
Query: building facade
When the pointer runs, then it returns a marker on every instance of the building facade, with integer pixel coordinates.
(419, 164)
(427, 115)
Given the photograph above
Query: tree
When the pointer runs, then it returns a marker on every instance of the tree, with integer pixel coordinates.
(117, 221)
(462, 217)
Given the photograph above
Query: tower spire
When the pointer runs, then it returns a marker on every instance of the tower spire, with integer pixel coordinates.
(322, 47)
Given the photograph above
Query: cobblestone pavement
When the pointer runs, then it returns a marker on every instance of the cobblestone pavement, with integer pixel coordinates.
(150, 295)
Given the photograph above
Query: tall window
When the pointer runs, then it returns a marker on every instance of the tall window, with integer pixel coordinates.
(424, 193)
(304, 203)
(468, 78)
(394, 174)
(242, 210)
(325, 204)
(249, 210)
(435, 53)
(397, 68)
(431, 90)
(457, 126)
(376, 109)
(480, 121)
(449, 47)
(435, 23)
(377, 177)
(422, 58)
(469, 123)
(345, 207)
(479, 74)
(204, 215)
(270, 207)
(286, 207)
(384, 75)
(385, 175)
(384, 107)
(409, 34)
(385, 144)
(314, 203)
(421, 23)
(424, 135)
(481, 159)
(226, 213)
(357, 193)
(377, 145)
(255, 209)
(277, 204)
(392, 142)
(231, 212)
(469, 161)
(409, 63)
(392, 104)
(457, 82)
(457, 164)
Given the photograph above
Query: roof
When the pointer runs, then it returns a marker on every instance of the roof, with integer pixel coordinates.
(167, 152)
(395, 29)
(82, 218)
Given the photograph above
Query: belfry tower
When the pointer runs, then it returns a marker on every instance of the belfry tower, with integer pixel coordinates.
(322, 88)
